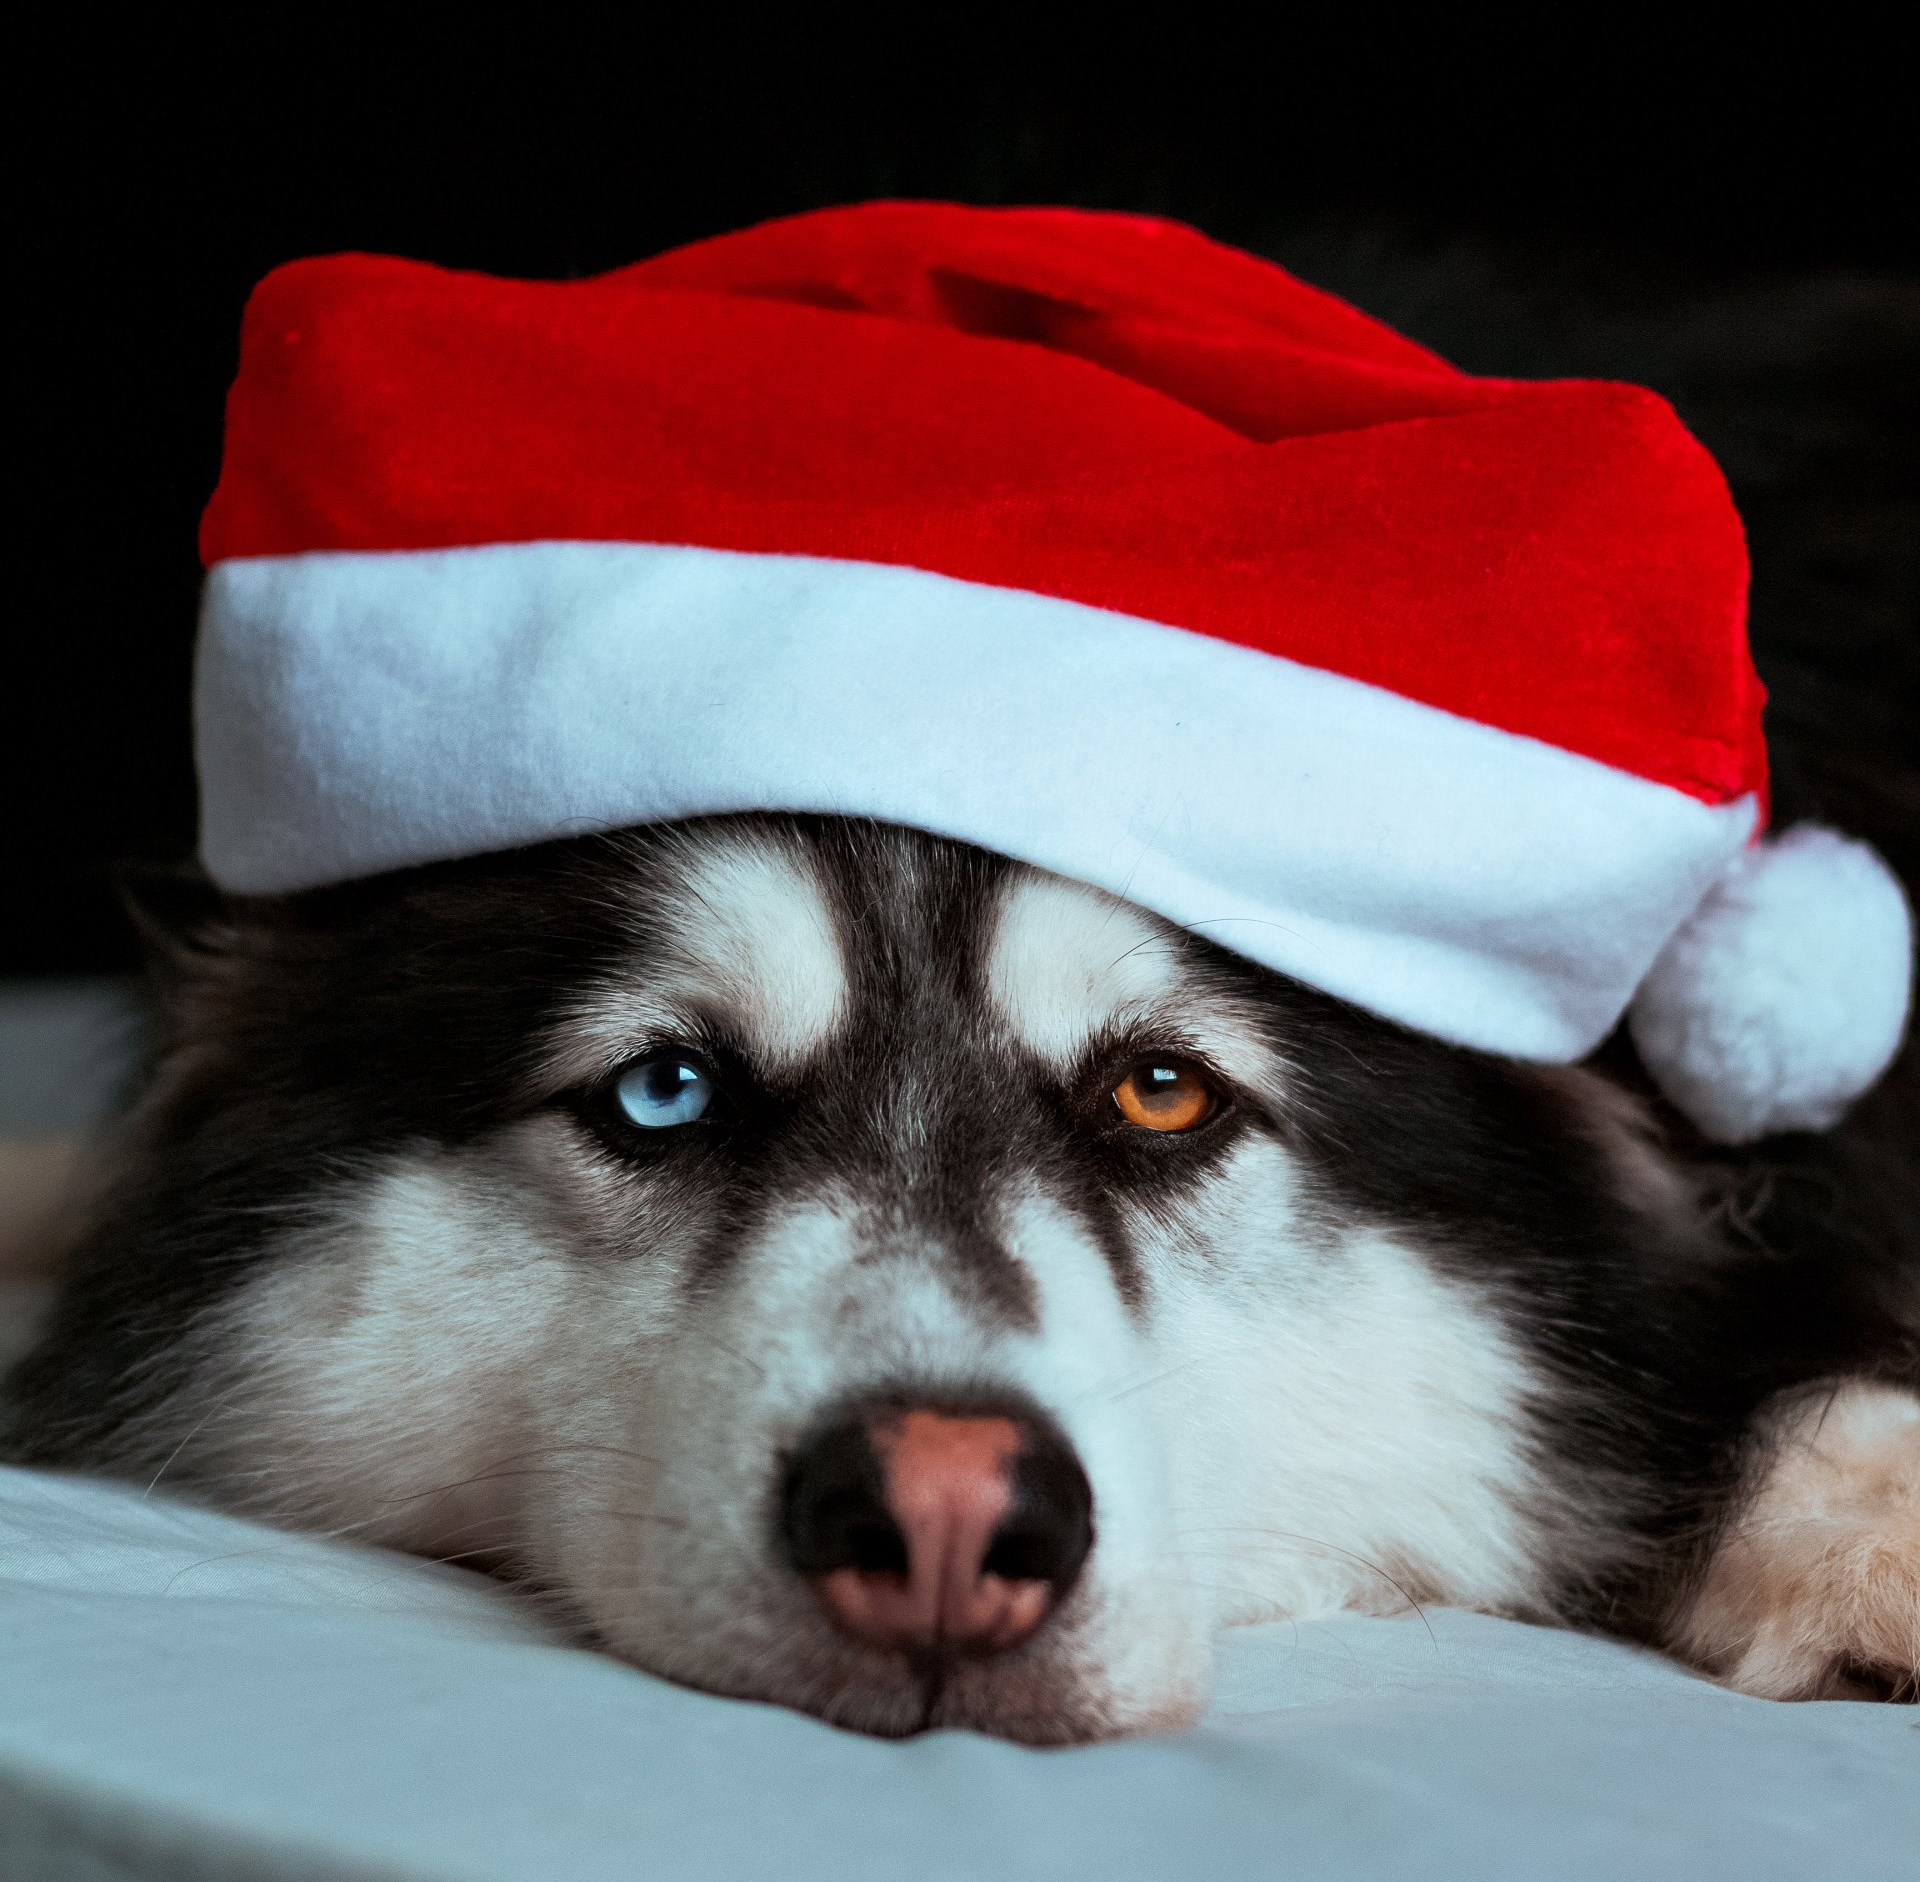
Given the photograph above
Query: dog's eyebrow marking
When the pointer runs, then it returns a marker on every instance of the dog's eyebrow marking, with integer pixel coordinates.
(1067, 963)
(739, 933)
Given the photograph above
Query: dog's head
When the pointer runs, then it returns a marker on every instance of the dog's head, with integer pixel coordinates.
(844, 1268)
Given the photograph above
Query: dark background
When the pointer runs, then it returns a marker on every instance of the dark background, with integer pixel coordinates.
(1731, 224)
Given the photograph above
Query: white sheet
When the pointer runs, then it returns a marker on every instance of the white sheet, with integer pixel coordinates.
(185, 1695)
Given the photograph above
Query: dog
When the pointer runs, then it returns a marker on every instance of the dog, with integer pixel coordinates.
(832, 1265)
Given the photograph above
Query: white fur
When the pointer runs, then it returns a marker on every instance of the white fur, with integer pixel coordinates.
(746, 935)
(1070, 964)
(497, 1347)
(1785, 995)
(1352, 1426)
(1344, 1431)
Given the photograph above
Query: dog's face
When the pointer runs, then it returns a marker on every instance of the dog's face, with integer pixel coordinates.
(849, 1270)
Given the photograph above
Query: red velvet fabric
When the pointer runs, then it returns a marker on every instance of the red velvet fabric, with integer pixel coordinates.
(1109, 409)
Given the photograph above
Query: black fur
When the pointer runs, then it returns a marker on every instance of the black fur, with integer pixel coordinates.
(310, 1035)
(1666, 1331)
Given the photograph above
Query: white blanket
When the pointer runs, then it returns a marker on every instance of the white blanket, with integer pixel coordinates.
(186, 1695)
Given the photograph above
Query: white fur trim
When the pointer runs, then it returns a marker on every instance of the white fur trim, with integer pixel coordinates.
(1785, 995)
(362, 712)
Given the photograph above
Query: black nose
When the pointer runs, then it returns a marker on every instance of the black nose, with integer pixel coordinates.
(923, 1527)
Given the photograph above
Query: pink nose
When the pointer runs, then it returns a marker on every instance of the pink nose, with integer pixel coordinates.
(924, 1531)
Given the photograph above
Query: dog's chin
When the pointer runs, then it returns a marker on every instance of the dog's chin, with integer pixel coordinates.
(1045, 1696)
(1036, 1707)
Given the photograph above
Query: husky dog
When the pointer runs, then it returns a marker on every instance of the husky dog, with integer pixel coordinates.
(837, 1266)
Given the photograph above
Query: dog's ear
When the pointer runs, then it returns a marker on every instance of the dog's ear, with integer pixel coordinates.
(182, 919)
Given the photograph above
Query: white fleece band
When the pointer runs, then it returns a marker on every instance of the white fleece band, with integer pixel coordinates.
(361, 712)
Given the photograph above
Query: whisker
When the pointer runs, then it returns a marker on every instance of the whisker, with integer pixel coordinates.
(1332, 1548)
(713, 1339)
(212, 1411)
(1158, 1378)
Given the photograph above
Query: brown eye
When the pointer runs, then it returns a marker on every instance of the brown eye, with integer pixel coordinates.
(1165, 1097)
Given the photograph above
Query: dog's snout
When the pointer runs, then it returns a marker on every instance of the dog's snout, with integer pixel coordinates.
(927, 1530)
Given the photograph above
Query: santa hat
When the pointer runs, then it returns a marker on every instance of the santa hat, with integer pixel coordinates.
(1075, 536)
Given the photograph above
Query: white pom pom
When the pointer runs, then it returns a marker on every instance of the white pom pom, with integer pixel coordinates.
(1784, 995)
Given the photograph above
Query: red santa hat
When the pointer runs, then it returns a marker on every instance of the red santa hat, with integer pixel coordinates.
(1079, 537)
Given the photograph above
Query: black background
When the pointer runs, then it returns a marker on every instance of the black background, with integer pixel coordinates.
(1597, 203)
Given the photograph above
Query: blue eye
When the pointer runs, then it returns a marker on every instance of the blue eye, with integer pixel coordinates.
(659, 1093)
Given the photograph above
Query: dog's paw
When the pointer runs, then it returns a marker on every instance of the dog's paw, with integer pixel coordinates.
(1814, 1592)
